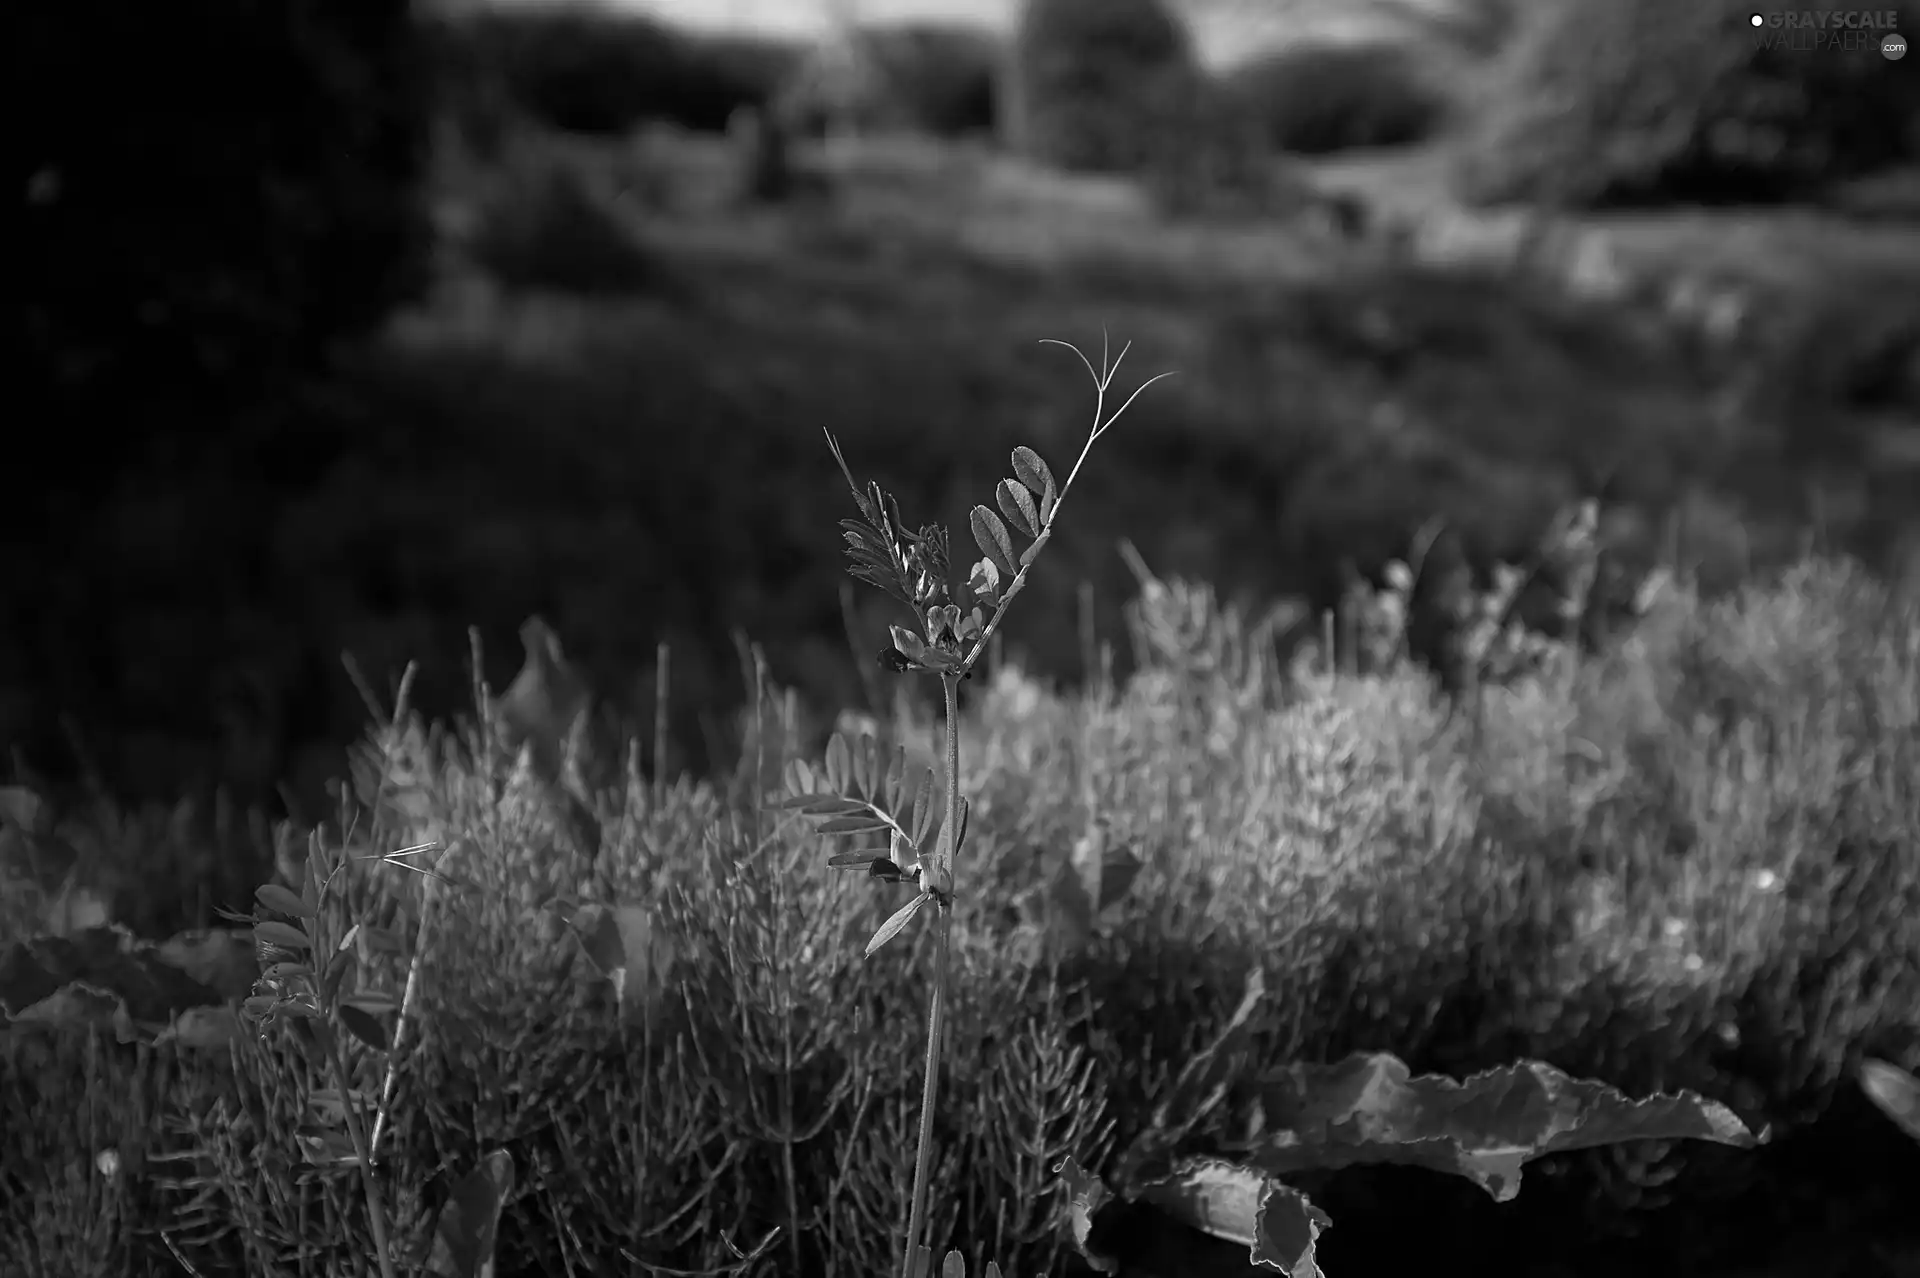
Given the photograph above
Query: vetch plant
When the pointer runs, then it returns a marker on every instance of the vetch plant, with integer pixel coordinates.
(866, 795)
(907, 826)
(304, 986)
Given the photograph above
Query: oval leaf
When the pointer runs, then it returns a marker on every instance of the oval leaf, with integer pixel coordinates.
(854, 825)
(908, 644)
(1016, 503)
(891, 928)
(282, 900)
(839, 763)
(337, 968)
(1895, 1091)
(284, 935)
(991, 536)
(1033, 472)
(375, 1003)
(366, 1027)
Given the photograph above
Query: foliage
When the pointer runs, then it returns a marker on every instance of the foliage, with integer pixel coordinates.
(544, 226)
(920, 76)
(173, 245)
(1636, 103)
(676, 1042)
(1315, 99)
(1094, 77)
(1206, 156)
(588, 69)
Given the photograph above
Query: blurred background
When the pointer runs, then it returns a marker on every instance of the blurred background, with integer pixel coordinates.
(350, 327)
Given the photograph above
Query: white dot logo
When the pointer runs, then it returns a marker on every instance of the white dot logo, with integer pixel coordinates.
(1894, 47)
(1756, 21)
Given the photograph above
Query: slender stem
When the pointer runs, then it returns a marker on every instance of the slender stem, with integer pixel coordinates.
(376, 1215)
(937, 1009)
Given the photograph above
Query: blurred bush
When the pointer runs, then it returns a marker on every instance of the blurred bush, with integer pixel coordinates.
(1094, 78)
(921, 76)
(1633, 101)
(216, 195)
(1210, 158)
(588, 70)
(1314, 99)
(543, 227)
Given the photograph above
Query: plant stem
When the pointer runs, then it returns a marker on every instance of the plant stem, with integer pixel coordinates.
(937, 1008)
(376, 1215)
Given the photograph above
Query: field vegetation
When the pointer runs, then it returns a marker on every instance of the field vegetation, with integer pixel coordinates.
(1504, 656)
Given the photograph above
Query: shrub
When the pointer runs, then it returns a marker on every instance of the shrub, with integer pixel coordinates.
(1319, 98)
(545, 227)
(587, 71)
(926, 77)
(1093, 78)
(1637, 102)
(217, 194)
(1209, 157)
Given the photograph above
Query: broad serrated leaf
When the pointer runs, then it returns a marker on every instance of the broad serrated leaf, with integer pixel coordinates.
(900, 918)
(1277, 1225)
(991, 536)
(283, 900)
(366, 1027)
(839, 763)
(1086, 1195)
(1033, 472)
(1016, 503)
(283, 935)
(1370, 1108)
